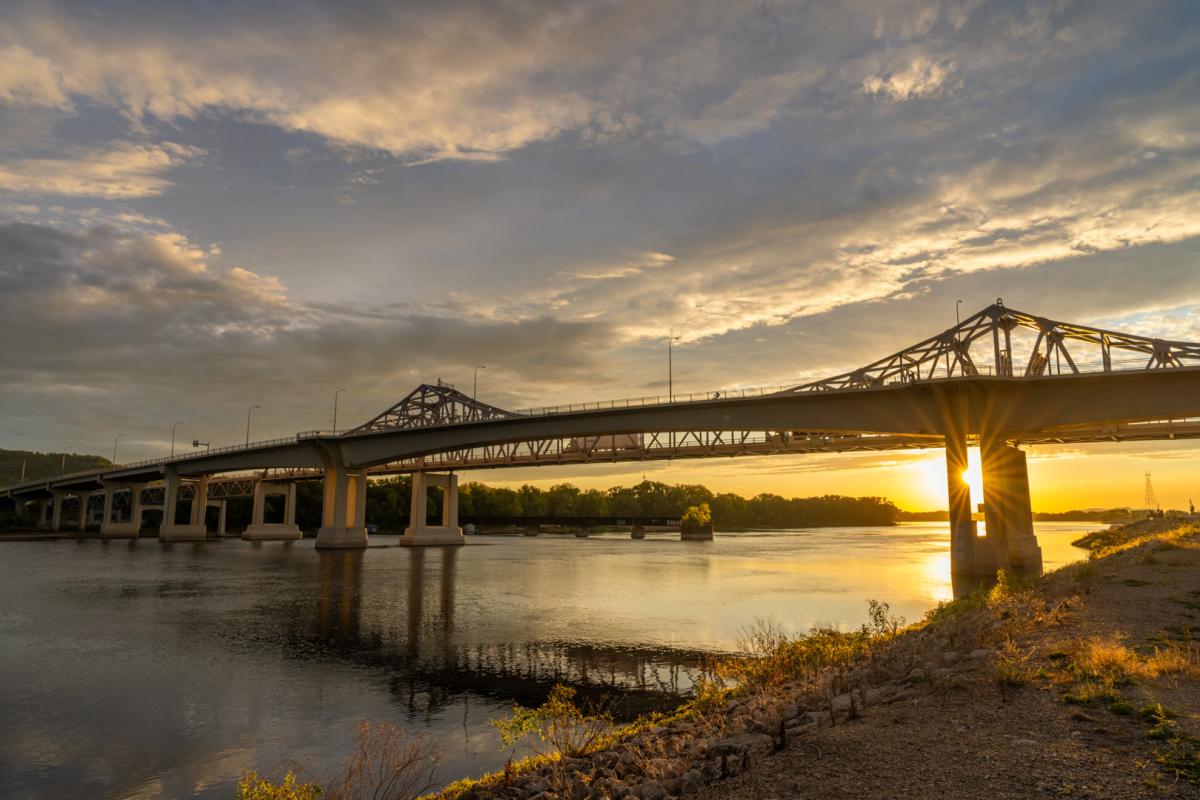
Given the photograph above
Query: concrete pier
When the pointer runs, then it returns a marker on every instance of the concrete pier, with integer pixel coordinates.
(344, 514)
(111, 528)
(194, 530)
(419, 532)
(258, 530)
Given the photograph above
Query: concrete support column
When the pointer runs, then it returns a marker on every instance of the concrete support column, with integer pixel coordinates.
(450, 502)
(112, 529)
(56, 516)
(170, 497)
(970, 555)
(289, 514)
(258, 510)
(190, 531)
(222, 508)
(417, 511)
(419, 532)
(358, 487)
(261, 530)
(638, 531)
(1007, 511)
(43, 513)
(85, 499)
(343, 513)
(200, 502)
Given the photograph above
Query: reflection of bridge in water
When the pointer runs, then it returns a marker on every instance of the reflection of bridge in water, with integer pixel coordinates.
(1001, 380)
(411, 634)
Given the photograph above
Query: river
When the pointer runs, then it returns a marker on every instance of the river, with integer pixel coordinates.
(137, 670)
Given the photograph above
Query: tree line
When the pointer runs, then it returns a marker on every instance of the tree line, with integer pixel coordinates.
(388, 503)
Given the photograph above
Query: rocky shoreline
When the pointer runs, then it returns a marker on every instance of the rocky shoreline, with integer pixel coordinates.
(996, 669)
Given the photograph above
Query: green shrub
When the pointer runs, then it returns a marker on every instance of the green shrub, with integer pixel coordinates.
(697, 516)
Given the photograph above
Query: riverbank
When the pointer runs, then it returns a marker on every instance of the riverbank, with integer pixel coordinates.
(1085, 683)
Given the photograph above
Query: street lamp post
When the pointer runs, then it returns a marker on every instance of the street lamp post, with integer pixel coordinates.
(173, 427)
(335, 404)
(671, 340)
(957, 318)
(248, 410)
(116, 439)
(475, 381)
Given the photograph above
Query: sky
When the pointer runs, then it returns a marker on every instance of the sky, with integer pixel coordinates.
(208, 206)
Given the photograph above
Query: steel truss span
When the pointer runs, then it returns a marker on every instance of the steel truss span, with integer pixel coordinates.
(988, 343)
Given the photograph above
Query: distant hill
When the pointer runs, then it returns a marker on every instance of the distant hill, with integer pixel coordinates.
(43, 465)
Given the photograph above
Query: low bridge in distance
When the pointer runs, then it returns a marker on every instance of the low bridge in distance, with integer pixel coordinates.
(1001, 379)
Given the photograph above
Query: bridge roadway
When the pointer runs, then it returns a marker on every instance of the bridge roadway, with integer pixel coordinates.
(891, 404)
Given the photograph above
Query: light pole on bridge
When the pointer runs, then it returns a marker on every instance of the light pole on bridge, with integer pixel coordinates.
(116, 439)
(475, 381)
(248, 411)
(335, 404)
(671, 340)
(173, 427)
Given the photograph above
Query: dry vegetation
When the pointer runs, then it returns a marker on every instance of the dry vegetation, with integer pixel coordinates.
(388, 763)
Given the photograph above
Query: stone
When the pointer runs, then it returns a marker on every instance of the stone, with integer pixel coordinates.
(841, 703)
(691, 783)
(950, 657)
(878, 695)
(741, 742)
(672, 785)
(979, 654)
(915, 675)
(650, 790)
(820, 717)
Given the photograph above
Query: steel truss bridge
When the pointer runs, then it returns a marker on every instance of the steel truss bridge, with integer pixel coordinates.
(1001, 379)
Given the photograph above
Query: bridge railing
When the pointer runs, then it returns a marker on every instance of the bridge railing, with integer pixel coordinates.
(1116, 364)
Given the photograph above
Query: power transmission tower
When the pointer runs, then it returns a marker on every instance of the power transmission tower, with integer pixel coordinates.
(1151, 499)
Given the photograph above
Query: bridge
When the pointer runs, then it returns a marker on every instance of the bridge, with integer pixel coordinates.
(1001, 379)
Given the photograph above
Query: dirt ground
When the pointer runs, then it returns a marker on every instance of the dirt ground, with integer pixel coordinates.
(962, 734)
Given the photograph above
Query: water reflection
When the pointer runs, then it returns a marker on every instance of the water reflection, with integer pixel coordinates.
(430, 667)
(134, 669)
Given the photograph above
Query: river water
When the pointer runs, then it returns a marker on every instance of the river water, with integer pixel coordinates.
(133, 669)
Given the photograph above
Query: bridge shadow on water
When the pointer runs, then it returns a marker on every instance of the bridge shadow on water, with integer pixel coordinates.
(402, 624)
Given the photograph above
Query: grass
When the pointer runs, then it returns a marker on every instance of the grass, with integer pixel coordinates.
(1012, 664)
(1095, 670)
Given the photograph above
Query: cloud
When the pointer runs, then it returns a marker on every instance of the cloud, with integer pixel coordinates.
(914, 78)
(27, 79)
(141, 325)
(122, 170)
